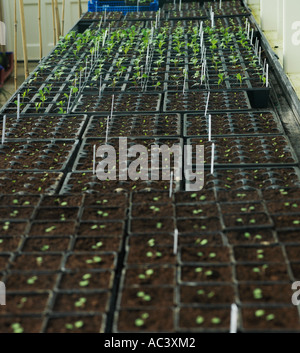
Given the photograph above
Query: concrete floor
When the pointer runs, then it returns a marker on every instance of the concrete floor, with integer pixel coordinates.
(9, 85)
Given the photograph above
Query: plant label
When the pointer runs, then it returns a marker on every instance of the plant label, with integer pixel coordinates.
(3, 129)
(233, 318)
(212, 158)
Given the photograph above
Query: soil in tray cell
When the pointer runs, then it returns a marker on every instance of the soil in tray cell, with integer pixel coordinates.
(152, 226)
(204, 254)
(111, 229)
(9, 244)
(30, 282)
(16, 213)
(46, 244)
(36, 262)
(112, 200)
(58, 214)
(17, 200)
(157, 255)
(97, 244)
(206, 273)
(195, 197)
(91, 261)
(287, 221)
(52, 228)
(147, 297)
(4, 262)
(150, 197)
(155, 210)
(79, 302)
(262, 272)
(204, 319)
(32, 303)
(280, 194)
(269, 319)
(145, 320)
(197, 210)
(149, 241)
(150, 276)
(265, 294)
(196, 225)
(288, 206)
(242, 207)
(293, 253)
(20, 324)
(251, 237)
(83, 280)
(11, 229)
(200, 240)
(99, 214)
(247, 220)
(258, 254)
(206, 294)
(75, 324)
(289, 236)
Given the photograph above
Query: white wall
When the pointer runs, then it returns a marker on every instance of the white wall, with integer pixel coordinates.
(31, 20)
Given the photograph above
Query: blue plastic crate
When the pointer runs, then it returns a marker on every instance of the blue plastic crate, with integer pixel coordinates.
(94, 6)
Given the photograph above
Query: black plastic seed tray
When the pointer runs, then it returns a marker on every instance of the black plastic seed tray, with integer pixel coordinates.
(196, 101)
(248, 178)
(84, 159)
(37, 155)
(17, 182)
(135, 125)
(247, 151)
(123, 103)
(227, 123)
(87, 182)
(42, 127)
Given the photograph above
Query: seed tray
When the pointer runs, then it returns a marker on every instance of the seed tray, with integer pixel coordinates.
(17, 182)
(84, 162)
(51, 153)
(41, 127)
(219, 101)
(250, 178)
(228, 124)
(128, 125)
(248, 151)
(86, 182)
(187, 15)
(124, 103)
